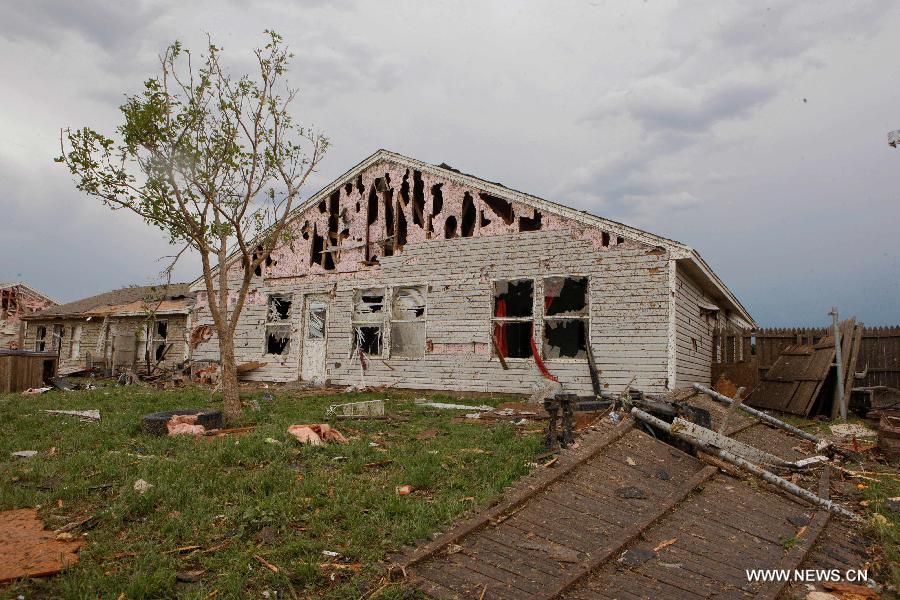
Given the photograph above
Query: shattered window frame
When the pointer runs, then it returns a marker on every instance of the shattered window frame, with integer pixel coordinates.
(56, 337)
(411, 317)
(75, 341)
(497, 322)
(278, 323)
(158, 342)
(582, 315)
(375, 316)
(40, 338)
(316, 306)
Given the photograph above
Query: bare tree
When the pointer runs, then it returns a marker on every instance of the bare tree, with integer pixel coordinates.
(215, 162)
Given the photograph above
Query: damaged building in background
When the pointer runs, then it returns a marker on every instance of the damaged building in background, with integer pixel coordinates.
(413, 275)
(16, 301)
(136, 328)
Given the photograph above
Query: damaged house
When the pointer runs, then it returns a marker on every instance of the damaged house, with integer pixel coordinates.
(16, 301)
(413, 275)
(134, 328)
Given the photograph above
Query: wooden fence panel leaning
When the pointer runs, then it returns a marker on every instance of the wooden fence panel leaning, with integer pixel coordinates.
(870, 358)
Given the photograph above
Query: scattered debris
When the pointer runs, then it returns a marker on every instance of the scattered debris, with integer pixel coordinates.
(889, 436)
(141, 486)
(61, 383)
(28, 550)
(190, 576)
(36, 391)
(158, 423)
(184, 425)
(761, 416)
(368, 408)
(24, 453)
(850, 589)
(85, 415)
(677, 429)
(664, 544)
(403, 490)
(266, 564)
(849, 431)
(447, 406)
(316, 435)
(249, 366)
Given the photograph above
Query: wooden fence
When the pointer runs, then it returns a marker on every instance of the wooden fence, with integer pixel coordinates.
(879, 355)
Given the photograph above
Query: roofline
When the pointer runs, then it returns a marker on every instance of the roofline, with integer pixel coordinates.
(92, 314)
(720, 285)
(25, 285)
(676, 249)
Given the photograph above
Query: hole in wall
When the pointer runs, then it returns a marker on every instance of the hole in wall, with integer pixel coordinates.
(467, 225)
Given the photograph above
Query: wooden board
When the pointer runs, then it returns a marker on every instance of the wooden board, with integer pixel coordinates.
(27, 550)
(611, 526)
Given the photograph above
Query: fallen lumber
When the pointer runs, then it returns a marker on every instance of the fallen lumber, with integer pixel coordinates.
(784, 484)
(758, 414)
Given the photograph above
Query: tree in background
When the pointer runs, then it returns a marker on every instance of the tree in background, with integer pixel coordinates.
(215, 162)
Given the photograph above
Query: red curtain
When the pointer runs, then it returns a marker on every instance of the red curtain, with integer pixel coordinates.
(500, 329)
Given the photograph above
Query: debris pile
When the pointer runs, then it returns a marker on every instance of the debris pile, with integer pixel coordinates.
(318, 434)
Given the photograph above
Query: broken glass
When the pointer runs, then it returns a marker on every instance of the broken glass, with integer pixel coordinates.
(565, 296)
(315, 324)
(369, 339)
(278, 339)
(409, 303)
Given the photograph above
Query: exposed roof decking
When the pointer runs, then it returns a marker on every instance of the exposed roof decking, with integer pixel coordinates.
(123, 302)
(677, 250)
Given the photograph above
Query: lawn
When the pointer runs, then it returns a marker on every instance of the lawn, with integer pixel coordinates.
(222, 507)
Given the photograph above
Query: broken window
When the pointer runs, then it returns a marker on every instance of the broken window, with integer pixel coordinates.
(566, 317)
(75, 342)
(40, 338)
(278, 326)
(315, 320)
(513, 318)
(158, 340)
(57, 337)
(408, 322)
(368, 321)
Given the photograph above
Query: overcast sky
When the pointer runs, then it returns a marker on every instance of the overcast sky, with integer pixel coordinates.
(754, 132)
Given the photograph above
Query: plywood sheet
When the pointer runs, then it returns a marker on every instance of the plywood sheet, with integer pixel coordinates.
(27, 550)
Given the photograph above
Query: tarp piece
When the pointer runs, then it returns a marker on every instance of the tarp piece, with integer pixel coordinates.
(27, 550)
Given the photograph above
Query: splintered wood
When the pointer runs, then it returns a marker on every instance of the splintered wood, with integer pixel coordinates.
(28, 550)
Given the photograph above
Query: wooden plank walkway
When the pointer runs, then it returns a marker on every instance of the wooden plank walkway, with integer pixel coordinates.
(627, 516)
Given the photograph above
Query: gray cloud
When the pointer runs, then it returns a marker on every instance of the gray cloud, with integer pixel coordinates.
(107, 23)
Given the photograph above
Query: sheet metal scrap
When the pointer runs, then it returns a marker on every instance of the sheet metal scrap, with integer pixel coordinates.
(28, 550)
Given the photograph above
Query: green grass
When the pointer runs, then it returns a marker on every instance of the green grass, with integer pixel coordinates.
(240, 496)
(885, 531)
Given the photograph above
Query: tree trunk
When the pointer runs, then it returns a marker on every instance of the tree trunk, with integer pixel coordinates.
(232, 410)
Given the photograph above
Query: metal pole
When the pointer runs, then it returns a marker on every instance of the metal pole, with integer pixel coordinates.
(839, 390)
(748, 466)
(758, 414)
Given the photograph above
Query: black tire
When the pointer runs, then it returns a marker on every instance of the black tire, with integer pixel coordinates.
(155, 423)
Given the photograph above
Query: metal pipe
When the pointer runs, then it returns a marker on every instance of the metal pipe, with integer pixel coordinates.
(748, 466)
(758, 414)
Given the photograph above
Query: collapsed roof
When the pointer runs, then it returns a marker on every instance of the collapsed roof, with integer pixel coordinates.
(128, 301)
